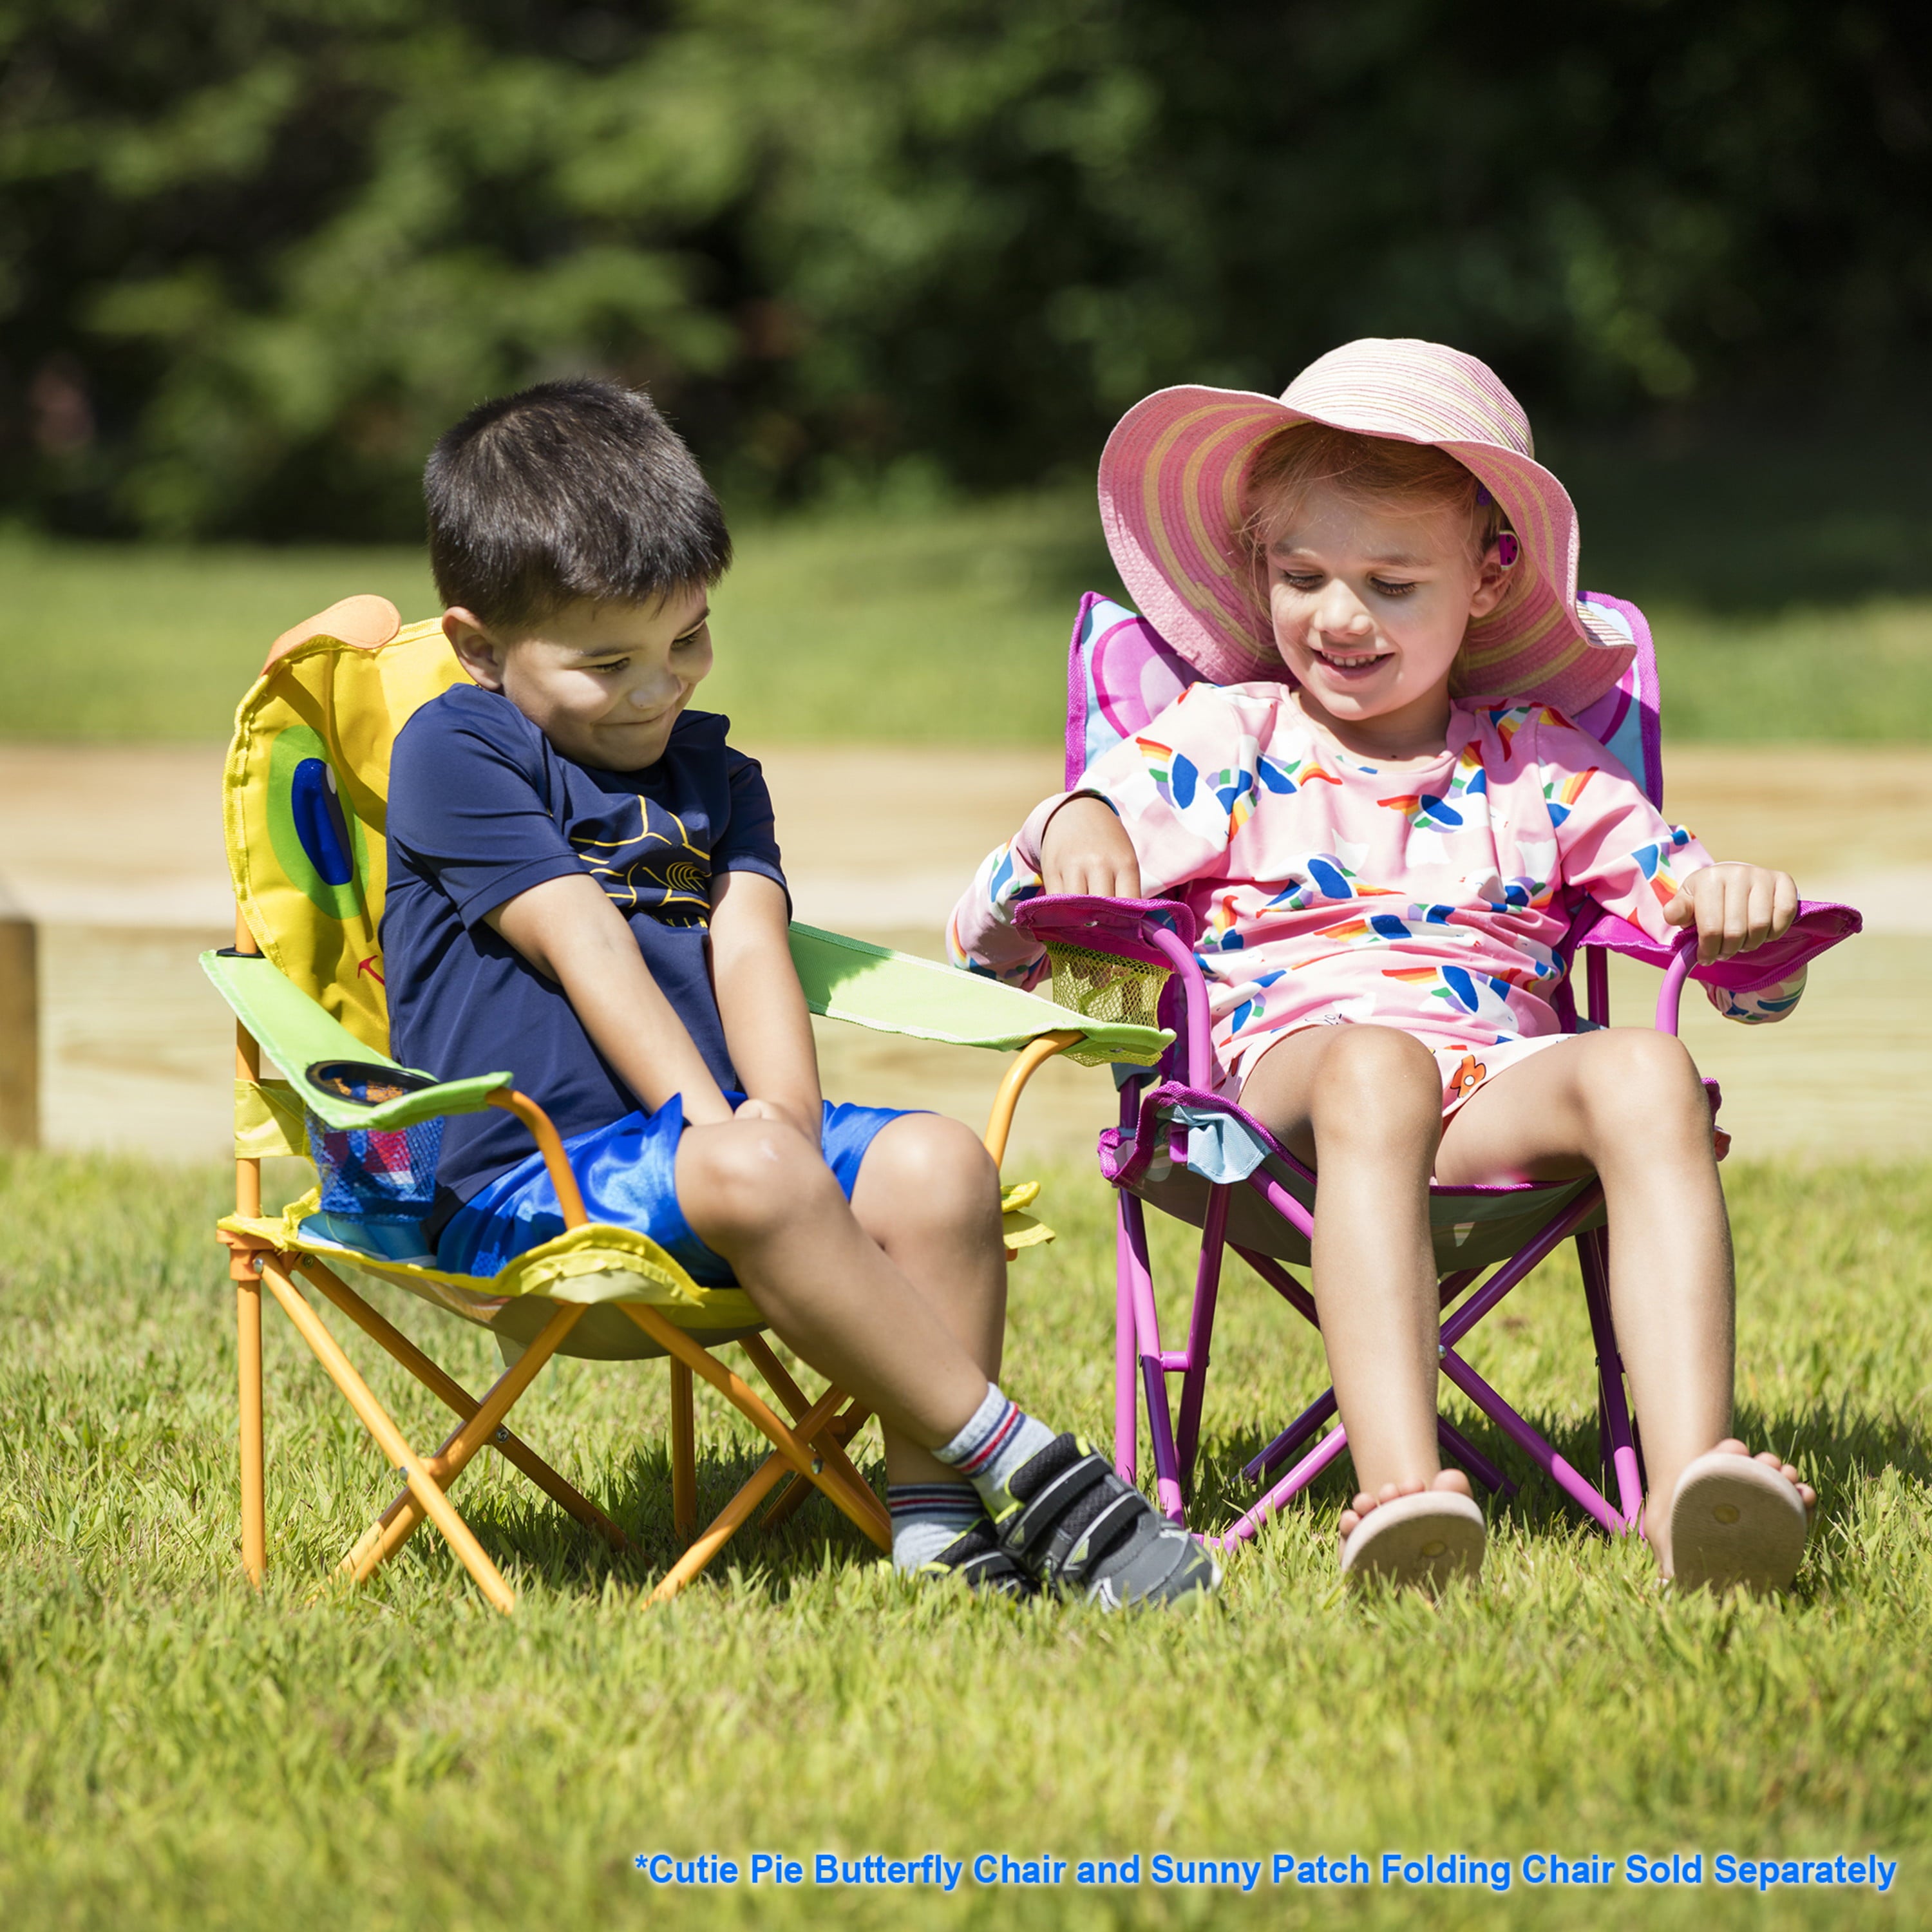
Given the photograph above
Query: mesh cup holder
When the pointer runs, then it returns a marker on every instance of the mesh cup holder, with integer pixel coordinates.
(1100, 986)
(386, 1176)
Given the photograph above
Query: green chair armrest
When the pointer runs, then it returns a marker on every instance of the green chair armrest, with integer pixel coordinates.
(844, 978)
(893, 992)
(297, 1033)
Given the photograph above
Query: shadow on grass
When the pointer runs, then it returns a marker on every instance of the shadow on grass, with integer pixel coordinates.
(1838, 1449)
(539, 1546)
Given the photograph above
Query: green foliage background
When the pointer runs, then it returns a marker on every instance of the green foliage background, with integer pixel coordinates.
(254, 257)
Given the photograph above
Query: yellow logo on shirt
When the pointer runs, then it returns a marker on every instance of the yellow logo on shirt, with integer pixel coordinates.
(650, 869)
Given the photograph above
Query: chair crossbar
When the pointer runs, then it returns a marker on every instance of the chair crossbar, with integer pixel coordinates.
(829, 1444)
(792, 1498)
(453, 1395)
(1578, 1488)
(401, 1520)
(1494, 1480)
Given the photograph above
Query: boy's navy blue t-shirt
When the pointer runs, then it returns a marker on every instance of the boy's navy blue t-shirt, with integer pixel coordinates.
(481, 807)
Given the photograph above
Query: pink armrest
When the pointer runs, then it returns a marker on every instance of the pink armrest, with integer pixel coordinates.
(1819, 925)
(1106, 925)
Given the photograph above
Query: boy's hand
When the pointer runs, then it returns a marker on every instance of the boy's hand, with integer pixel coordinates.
(1736, 908)
(755, 1109)
(1086, 851)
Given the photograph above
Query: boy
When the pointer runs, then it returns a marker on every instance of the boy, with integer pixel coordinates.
(584, 880)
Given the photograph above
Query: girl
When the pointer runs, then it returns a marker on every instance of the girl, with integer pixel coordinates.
(1376, 810)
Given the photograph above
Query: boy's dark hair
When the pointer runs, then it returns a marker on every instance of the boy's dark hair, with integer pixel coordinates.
(568, 491)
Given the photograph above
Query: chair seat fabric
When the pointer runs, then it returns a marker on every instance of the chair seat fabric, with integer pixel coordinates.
(1471, 1227)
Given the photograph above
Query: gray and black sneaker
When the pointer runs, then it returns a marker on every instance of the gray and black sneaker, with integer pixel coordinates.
(1079, 1530)
(977, 1560)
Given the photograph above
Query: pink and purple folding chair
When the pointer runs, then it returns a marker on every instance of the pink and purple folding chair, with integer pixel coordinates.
(1184, 1149)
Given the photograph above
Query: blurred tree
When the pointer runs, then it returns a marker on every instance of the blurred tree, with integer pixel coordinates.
(254, 253)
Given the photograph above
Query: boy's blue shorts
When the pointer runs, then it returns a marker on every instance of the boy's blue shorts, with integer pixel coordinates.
(628, 1174)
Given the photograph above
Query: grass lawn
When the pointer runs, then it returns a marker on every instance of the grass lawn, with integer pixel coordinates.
(944, 625)
(175, 1753)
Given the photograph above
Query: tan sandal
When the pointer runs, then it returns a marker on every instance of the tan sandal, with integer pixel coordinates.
(1424, 1540)
(1736, 1523)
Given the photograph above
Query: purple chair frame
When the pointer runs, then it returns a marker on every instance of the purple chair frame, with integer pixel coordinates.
(1120, 673)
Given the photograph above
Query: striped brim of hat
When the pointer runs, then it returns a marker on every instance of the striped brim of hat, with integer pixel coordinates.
(1171, 482)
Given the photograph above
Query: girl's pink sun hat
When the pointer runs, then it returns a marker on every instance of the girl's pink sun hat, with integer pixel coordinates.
(1171, 479)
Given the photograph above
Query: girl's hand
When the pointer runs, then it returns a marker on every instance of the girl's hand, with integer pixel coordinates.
(1736, 908)
(1086, 851)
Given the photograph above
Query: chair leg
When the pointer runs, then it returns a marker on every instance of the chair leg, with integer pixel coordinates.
(400, 1521)
(737, 1511)
(1617, 1434)
(1291, 1439)
(1574, 1486)
(1127, 1393)
(675, 1343)
(245, 1271)
(452, 1395)
(1296, 1479)
(248, 1350)
(1153, 1371)
(389, 1438)
(1200, 1333)
(683, 1454)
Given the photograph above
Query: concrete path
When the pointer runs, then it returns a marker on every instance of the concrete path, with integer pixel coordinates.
(116, 855)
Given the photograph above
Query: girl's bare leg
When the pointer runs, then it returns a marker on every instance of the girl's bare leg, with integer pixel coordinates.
(760, 1194)
(1629, 1105)
(1365, 1103)
(928, 1195)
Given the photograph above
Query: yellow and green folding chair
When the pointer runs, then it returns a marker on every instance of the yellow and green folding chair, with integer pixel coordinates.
(304, 797)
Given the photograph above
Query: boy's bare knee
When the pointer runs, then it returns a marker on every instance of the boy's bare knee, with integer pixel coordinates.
(1376, 1080)
(745, 1179)
(935, 1168)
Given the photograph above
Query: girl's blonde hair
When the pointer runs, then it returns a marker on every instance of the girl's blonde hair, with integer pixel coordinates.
(1406, 479)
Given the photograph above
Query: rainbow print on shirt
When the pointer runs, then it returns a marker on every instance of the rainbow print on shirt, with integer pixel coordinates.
(1322, 875)
(1468, 780)
(1174, 774)
(1287, 776)
(1509, 720)
(1425, 812)
(1561, 798)
(1234, 788)
(1377, 929)
(1219, 930)
(1253, 1006)
(1653, 861)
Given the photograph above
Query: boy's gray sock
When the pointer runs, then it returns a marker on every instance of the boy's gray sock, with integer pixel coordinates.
(999, 1438)
(928, 1518)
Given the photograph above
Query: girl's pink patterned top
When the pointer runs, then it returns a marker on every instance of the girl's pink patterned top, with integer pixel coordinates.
(1429, 895)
